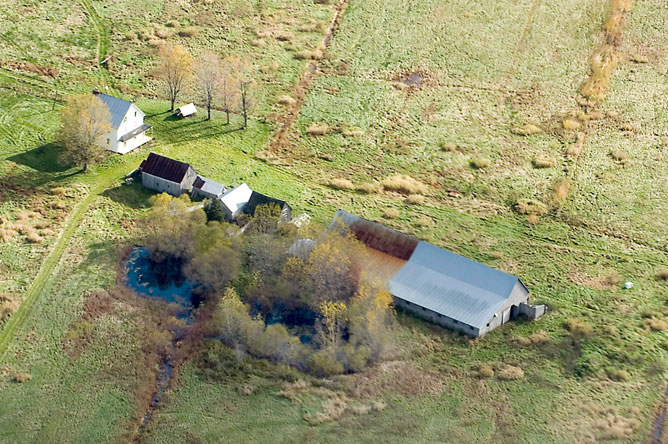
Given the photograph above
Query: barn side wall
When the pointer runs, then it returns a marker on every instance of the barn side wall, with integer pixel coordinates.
(436, 318)
(161, 185)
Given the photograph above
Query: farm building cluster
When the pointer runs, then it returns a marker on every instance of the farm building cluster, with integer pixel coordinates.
(173, 177)
(430, 282)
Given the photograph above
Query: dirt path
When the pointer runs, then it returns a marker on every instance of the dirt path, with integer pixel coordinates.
(311, 73)
(102, 47)
(659, 426)
(32, 296)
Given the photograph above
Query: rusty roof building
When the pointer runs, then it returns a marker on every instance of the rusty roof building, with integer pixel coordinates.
(167, 175)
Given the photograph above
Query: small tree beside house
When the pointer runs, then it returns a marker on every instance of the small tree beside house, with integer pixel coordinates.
(85, 127)
(174, 69)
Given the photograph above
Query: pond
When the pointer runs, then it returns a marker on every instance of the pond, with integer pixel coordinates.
(165, 284)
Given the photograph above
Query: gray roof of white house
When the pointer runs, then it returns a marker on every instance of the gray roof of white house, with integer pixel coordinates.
(118, 108)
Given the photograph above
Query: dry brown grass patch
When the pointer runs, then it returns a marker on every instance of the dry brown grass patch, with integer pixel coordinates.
(561, 189)
(544, 162)
(528, 129)
(575, 150)
(480, 162)
(603, 62)
(391, 213)
(531, 207)
(286, 100)
(415, 199)
(662, 275)
(369, 188)
(318, 129)
(34, 238)
(404, 184)
(571, 124)
(496, 254)
(8, 305)
(578, 328)
(620, 156)
(190, 31)
(352, 133)
(656, 324)
(341, 184)
(510, 373)
(423, 222)
(284, 36)
(22, 377)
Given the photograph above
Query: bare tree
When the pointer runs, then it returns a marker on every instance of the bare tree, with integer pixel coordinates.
(84, 130)
(209, 74)
(242, 72)
(228, 86)
(175, 69)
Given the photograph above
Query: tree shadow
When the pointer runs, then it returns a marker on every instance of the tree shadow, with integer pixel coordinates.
(134, 195)
(173, 118)
(44, 158)
(158, 114)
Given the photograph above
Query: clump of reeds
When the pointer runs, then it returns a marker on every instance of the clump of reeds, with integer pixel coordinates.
(480, 162)
(341, 184)
(544, 162)
(602, 63)
(561, 189)
(528, 129)
(318, 129)
(404, 184)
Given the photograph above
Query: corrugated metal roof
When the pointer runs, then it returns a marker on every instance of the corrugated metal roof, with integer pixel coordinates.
(463, 269)
(209, 186)
(164, 167)
(236, 198)
(434, 278)
(118, 108)
(445, 295)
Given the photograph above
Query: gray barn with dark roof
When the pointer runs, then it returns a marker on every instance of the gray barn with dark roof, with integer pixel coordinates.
(167, 175)
(438, 285)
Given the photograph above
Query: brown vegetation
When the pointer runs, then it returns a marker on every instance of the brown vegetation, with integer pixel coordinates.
(393, 213)
(341, 184)
(415, 199)
(480, 162)
(544, 162)
(316, 129)
(578, 328)
(404, 184)
(510, 373)
(528, 129)
(561, 189)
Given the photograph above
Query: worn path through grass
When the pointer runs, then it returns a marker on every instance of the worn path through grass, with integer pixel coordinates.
(18, 318)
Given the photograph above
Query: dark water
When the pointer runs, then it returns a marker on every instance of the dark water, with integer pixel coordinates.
(163, 282)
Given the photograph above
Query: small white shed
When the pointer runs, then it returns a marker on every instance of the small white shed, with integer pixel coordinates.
(186, 110)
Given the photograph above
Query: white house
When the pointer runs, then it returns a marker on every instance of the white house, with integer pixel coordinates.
(128, 130)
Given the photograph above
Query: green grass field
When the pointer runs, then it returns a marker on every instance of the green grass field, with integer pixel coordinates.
(486, 70)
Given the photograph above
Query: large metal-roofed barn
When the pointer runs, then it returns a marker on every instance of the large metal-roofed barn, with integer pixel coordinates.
(438, 285)
(167, 175)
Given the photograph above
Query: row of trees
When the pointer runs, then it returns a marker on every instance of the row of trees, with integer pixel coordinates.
(265, 292)
(227, 79)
